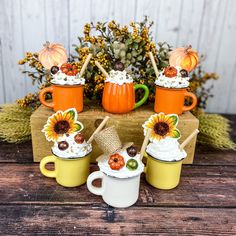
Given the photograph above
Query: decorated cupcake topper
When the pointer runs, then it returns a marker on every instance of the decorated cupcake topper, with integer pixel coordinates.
(119, 160)
(54, 58)
(162, 126)
(62, 123)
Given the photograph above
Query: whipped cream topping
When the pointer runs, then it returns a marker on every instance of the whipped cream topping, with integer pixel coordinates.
(124, 172)
(175, 82)
(61, 78)
(119, 77)
(74, 149)
(166, 150)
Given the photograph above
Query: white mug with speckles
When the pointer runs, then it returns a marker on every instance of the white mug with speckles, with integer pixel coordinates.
(116, 192)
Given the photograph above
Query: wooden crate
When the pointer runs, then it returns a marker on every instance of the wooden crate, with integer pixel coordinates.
(128, 126)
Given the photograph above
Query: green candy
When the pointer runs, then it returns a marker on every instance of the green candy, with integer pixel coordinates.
(132, 164)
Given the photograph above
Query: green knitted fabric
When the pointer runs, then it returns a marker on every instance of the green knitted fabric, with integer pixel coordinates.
(215, 131)
(15, 123)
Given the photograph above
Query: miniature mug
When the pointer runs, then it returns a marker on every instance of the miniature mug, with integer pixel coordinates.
(120, 99)
(116, 192)
(162, 174)
(68, 172)
(63, 97)
(171, 100)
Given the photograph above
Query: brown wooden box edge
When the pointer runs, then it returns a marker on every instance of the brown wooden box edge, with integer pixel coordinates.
(129, 127)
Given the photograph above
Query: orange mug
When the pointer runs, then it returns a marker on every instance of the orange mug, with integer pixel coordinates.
(171, 100)
(120, 99)
(63, 97)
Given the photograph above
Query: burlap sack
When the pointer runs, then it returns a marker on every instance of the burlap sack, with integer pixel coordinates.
(108, 140)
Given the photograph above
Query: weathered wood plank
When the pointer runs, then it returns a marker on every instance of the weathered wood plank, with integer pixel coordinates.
(151, 9)
(190, 23)
(74, 220)
(57, 22)
(226, 66)
(12, 48)
(33, 23)
(199, 187)
(78, 20)
(168, 27)
(20, 153)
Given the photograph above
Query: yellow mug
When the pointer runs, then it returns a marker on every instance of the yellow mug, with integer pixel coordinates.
(162, 174)
(68, 172)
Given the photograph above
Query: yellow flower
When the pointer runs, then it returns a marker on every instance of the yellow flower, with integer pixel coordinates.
(162, 126)
(62, 123)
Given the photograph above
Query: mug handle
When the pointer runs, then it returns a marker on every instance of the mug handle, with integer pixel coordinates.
(44, 162)
(42, 97)
(144, 98)
(194, 101)
(91, 178)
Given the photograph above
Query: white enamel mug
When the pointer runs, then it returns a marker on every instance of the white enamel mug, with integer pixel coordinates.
(116, 192)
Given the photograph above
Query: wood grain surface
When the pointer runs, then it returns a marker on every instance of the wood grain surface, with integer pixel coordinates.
(204, 203)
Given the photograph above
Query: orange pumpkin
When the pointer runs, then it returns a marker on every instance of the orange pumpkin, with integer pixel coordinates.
(118, 98)
(116, 161)
(53, 54)
(186, 58)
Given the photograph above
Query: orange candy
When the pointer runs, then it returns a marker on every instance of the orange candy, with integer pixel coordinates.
(116, 161)
(170, 71)
(69, 69)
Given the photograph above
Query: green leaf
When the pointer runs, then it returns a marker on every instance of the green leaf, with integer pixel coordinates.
(175, 134)
(175, 119)
(78, 127)
(72, 113)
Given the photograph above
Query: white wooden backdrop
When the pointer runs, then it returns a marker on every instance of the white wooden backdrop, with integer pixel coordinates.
(209, 25)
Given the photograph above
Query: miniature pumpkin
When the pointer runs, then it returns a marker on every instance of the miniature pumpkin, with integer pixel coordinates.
(118, 98)
(69, 69)
(116, 161)
(186, 58)
(170, 71)
(52, 54)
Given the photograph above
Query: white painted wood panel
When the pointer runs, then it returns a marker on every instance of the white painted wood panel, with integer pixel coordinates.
(12, 50)
(208, 25)
(225, 65)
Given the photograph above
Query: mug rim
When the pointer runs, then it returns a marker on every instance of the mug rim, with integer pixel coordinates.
(71, 158)
(171, 88)
(169, 162)
(120, 178)
(67, 85)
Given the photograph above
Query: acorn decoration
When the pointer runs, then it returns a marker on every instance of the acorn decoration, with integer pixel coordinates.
(54, 69)
(79, 138)
(63, 145)
(132, 151)
(183, 73)
(119, 66)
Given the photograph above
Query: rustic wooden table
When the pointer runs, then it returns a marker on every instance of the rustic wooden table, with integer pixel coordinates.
(203, 204)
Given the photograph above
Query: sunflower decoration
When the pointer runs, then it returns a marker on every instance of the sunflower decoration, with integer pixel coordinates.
(62, 123)
(162, 126)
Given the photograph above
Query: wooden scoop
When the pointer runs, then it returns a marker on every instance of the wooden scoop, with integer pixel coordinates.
(99, 128)
(188, 139)
(145, 143)
(153, 64)
(85, 65)
(101, 69)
